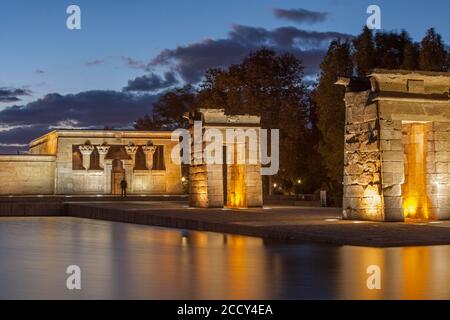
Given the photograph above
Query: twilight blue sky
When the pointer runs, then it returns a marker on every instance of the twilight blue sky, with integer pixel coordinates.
(62, 78)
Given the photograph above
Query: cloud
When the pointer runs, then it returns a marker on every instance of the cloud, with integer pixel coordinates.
(95, 62)
(134, 63)
(69, 124)
(13, 145)
(301, 16)
(191, 61)
(90, 109)
(12, 94)
(13, 148)
(5, 128)
(152, 82)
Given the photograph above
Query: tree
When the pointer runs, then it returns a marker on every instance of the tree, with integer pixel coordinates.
(390, 48)
(270, 86)
(448, 60)
(168, 110)
(364, 52)
(411, 57)
(148, 122)
(331, 113)
(433, 55)
(313, 174)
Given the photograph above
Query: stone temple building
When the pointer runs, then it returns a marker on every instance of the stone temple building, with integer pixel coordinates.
(397, 146)
(93, 162)
(237, 185)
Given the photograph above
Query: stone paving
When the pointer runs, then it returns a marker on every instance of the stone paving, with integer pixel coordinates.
(322, 225)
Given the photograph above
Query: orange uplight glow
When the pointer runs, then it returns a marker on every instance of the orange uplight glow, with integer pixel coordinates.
(372, 201)
(414, 190)
(237, 192)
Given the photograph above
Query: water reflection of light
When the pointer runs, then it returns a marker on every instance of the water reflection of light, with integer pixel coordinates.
(416, 272)
(132, 261)
(407, 273)
(354, 264)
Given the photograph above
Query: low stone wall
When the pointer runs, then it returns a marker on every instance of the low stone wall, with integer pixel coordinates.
(294, 203)
(27, 174)
(57, 205)
(32, 209)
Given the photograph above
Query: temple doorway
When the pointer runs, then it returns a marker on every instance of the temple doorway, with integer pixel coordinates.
(117, 173)
(416, 203)
(235, 191)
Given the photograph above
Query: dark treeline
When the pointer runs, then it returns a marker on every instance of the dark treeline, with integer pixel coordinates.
(310, 119)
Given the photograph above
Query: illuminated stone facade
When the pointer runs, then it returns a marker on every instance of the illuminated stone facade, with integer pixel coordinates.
(397, 146)
(93, 162)
(221, 184)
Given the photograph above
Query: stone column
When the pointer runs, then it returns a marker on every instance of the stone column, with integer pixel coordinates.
(102, 151)
(131, 150)
(107, 169)
(149, 152)
(86, 151)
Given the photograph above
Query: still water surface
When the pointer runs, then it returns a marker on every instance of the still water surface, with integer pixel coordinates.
(124, 261)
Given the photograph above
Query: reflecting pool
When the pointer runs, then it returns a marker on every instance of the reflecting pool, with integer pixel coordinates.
(125, 261)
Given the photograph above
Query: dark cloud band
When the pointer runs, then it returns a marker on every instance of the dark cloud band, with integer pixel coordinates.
(152, 82)
(90, 109)
(12, 94)
(301, 16)
(193, 60)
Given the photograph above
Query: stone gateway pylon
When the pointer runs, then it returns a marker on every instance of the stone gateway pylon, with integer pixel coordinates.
(397, 146)
(229, 175)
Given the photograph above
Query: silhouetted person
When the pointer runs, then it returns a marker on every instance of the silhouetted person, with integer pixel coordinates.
(123, 187)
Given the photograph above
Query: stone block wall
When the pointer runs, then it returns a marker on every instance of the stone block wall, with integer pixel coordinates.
(392, 169)
(438, 162)
(98, 181)
(27, 175)
(362, 159)
(171, 177)
(375, 171)
(198, 178)
(215, 185)
(254, 185)
(46, 145)
(69, 181)
(397, 146)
